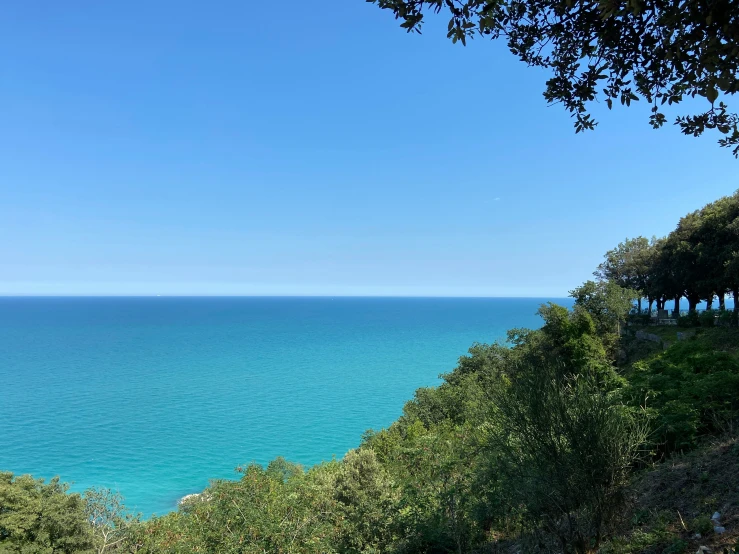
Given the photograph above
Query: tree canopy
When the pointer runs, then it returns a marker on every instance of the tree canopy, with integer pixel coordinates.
(40, 518)
(660, 51)
(698, 260)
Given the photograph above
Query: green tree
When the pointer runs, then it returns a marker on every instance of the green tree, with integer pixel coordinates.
(629, 265)
(280, 509)
(569, 336)
(607, 303)
(661, 282)
(697, 251)
(108, 517)
(367, 501)
(567, 446)
(435, 470)
(655, 50)
(444, 453)
(699, 254)
(449, 490)
(732, 280)
(721, 239)
(41, 518)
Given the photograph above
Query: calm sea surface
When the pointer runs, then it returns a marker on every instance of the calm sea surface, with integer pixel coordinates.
(155, 396)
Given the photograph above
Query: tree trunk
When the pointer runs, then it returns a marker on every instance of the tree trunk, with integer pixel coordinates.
(692, 303)
(735, 293)
(676, 311)
(639, 304)
(651, 301)
(581, 547)
(709, 303)
(722, 301)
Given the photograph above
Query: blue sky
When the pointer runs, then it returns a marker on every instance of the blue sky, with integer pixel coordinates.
(249, 147)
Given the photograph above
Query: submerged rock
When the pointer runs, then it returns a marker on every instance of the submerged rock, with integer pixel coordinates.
(198, 496)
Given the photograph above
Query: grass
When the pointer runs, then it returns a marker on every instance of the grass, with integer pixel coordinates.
(725, 339)
(665, 332)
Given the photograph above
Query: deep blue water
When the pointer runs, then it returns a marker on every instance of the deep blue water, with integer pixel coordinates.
(155, 396)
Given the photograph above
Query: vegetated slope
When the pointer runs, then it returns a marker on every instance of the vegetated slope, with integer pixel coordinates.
(673, 503)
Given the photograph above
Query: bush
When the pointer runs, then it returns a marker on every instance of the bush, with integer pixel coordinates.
(111, 521)
(702, 525)
(725, 318)
(567, 446)
(366, 501)
(708, 318)
(677, 547)
(278, 509)
(39, 517)
(691, 319)
(690, 389)
(640, 319)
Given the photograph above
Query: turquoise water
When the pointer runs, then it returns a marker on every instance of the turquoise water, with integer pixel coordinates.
(155, 396)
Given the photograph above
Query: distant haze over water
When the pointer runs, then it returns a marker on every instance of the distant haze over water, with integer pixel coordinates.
(155, 396)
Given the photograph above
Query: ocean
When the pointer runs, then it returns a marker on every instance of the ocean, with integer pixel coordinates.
(153, 397)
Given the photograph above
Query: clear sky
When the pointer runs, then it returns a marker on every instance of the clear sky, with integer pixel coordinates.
(243, 147)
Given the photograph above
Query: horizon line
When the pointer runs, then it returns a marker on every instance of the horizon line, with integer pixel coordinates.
(30, 295)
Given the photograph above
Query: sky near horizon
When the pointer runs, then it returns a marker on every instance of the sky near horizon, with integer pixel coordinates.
(182, 148)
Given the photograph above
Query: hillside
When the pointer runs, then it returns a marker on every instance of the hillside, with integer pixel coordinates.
(673, 500)
(673, 503)
(724, 339)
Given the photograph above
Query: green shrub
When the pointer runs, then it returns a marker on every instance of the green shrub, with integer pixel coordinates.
(707, 318)
(702, 525)
(690, 390)
(278, 509)
(691, 319)
(640, 319)
(725, 318)
(566, 445)
(677, 547)
(38, 517)
(639, 541)
(367, 503)
(640, 517)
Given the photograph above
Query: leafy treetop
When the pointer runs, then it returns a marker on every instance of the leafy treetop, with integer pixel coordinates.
(662, 51)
